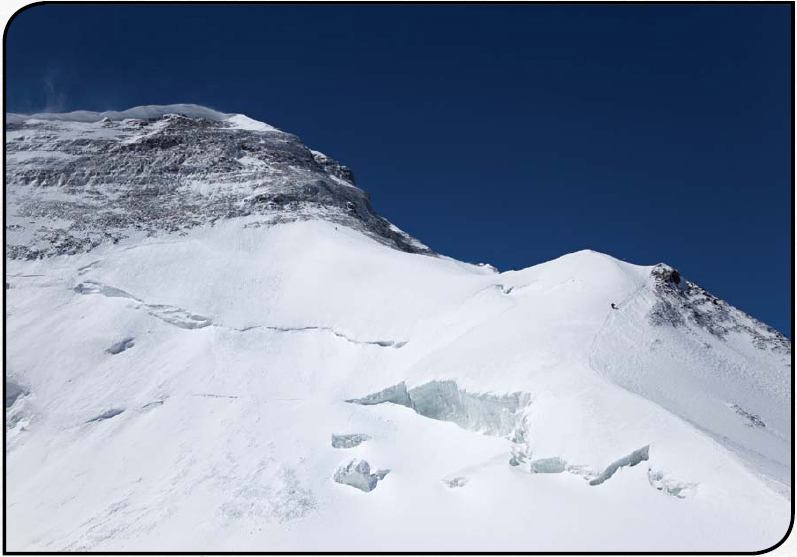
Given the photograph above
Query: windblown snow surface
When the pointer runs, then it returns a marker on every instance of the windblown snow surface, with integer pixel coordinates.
(314, 382)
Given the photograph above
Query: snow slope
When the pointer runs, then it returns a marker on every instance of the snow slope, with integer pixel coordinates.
(217, 389)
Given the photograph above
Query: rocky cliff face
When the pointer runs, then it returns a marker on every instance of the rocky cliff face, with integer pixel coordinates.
(76, 181)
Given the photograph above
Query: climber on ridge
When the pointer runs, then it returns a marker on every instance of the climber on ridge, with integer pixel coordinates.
(614, 306)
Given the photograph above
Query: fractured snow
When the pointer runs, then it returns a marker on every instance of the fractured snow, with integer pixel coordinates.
(170, 314)
(444, 400)
(632, 459)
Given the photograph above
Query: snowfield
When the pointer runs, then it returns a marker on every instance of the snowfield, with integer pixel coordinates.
(306, 384)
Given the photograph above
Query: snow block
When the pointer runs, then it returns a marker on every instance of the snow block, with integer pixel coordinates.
(553, 465)
(357, 473)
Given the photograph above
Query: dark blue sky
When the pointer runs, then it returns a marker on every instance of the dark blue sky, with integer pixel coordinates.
(505, 134)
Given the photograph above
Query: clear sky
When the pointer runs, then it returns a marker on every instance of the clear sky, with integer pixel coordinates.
(501, 134)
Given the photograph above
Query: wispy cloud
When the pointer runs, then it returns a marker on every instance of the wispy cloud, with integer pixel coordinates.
(55, 96)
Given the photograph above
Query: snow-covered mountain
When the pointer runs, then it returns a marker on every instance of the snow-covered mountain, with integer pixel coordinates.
(215, 343)
(100, 177)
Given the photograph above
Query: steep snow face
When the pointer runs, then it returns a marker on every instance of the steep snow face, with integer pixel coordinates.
(259, 376)
(80, 179)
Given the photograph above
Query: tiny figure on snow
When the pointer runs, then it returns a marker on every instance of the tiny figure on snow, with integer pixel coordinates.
(614, 306)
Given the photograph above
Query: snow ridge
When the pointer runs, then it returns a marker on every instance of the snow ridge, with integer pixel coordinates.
(147, 112)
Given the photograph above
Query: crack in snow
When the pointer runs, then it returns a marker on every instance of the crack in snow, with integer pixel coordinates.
(170, 314)
(152, 404)
(330, 330)
(108, 414)
(121, 346)
(185, 319)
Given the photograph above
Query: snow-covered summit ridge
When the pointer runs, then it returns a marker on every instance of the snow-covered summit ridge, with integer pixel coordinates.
(681, 302)
(145, 112)
(81, 179)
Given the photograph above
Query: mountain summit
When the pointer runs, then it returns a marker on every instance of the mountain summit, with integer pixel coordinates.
(215, 344)
(104, 176)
